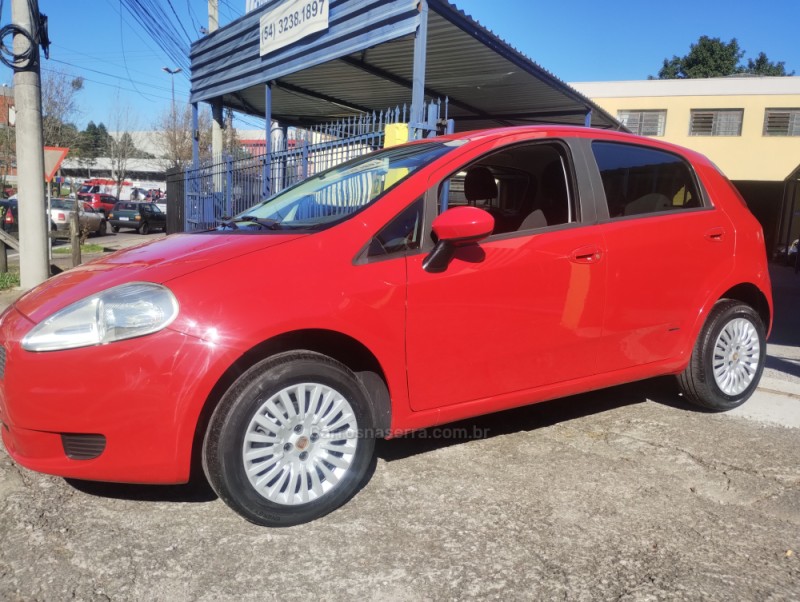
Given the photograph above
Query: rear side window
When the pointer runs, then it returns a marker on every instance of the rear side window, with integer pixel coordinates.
(639, 180)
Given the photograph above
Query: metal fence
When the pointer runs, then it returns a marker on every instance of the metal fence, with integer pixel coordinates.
(229, 185)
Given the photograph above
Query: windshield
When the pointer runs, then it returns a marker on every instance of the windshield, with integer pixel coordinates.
(61, 204)
(338, 193)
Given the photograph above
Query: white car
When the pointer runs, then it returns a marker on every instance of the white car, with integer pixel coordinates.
(61, 212)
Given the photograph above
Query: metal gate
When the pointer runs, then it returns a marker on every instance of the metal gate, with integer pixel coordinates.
(230, 185)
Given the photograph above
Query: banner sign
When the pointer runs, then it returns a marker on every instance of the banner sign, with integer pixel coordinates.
(251, 5)
(291, 21)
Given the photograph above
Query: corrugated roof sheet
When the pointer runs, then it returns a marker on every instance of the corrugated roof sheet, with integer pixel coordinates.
(364, 62)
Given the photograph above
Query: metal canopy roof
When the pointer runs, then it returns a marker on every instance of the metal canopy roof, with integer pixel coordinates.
(364, 62)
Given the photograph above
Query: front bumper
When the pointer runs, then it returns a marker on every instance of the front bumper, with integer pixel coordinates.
(143, 395)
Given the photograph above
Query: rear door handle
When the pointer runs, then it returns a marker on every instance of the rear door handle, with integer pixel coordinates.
(587, 254)
(716, 234)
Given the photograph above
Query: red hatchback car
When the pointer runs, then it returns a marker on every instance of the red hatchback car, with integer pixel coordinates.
(407, 288)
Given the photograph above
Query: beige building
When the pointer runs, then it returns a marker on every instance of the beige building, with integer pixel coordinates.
(749, 127)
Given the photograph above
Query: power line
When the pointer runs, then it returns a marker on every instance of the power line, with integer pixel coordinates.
(190, 10)
(177, 18)
(161, 28)
(94, 81)
(78, 52)
(106, 74)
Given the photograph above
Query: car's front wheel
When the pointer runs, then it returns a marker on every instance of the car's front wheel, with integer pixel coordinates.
(290, 441)
(728, 358)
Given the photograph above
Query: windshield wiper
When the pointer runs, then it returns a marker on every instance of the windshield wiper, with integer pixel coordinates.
(271, 224)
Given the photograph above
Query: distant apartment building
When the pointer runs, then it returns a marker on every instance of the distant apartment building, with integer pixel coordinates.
(748, 126)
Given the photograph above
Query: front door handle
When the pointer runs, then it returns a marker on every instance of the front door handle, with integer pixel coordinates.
(587, 254)
(716, 234)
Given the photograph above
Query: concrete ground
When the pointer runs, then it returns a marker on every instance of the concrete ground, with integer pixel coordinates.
(624, 494)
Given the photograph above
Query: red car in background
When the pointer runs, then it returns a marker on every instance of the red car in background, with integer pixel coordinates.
(410, 287)
(99, 201)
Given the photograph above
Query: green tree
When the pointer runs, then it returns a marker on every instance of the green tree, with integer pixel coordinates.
(763, 66)
(711, 57)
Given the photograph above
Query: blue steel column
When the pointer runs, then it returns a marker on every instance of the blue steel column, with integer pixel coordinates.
(266, 188)
(192, 189)
(195, 137)
(420, 62)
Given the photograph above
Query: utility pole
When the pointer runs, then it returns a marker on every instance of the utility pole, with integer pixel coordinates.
(33, 236)
(217, 124)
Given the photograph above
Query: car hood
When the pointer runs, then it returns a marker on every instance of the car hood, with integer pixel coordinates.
(157, 261)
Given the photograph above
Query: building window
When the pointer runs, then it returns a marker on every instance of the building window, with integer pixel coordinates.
(782, 122)
(716, 122)
(644, 123)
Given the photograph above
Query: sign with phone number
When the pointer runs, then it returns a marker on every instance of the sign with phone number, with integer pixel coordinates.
(292, 21)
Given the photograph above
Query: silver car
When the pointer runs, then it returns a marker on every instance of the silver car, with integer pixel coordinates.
(89, 219)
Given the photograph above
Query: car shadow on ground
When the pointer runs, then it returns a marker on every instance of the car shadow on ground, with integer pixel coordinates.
(528, 418)
(782, 365)
(196, 491)
(662, 390)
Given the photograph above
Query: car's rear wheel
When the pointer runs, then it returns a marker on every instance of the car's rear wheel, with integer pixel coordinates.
(102, 229)
(290, 441)
(728, 358)
(115, 228)
(145, 229)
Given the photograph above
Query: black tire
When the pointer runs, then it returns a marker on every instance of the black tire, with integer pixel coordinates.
(698, 381)
(225, 439)
(145, 229)
(115, 229)
(103, 228)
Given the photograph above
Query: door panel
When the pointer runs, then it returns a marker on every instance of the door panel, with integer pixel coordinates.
(662, 268)
(507, 315)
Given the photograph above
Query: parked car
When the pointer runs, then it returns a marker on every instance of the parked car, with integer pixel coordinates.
(415, 286)
(99, 201)
(9, 214)
(61, 213)
(142, 217)
(141, 194)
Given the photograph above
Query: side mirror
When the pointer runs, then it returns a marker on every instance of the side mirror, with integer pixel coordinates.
(457, 227)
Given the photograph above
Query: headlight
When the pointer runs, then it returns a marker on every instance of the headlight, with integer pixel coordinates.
(123, 312)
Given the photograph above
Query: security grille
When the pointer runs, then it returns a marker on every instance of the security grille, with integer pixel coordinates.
(782, 122)
(229, 185)
(644, 123)
(720, 122)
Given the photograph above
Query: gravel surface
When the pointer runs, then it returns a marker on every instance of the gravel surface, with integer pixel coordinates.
(596, 497)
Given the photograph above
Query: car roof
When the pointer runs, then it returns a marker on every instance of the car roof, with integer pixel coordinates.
(565, 131)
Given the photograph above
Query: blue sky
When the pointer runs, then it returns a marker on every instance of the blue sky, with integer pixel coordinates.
(583, 40)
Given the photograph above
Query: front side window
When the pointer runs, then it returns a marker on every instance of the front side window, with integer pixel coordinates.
(717, 122)
(644, 123)
(340, 192)
(639, 180)
(524, 187)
